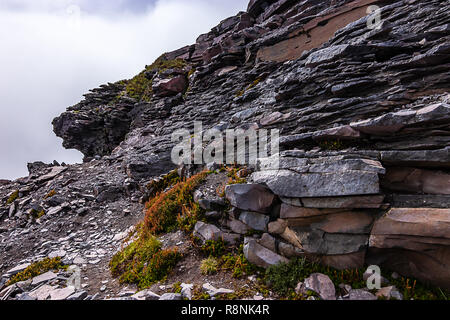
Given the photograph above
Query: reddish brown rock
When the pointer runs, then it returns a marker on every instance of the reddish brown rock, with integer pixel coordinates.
(170, 87)
(414, 242)
(314, 33)
(417, 180)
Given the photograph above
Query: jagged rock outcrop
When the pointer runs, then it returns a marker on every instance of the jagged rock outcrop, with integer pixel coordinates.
(364, 117)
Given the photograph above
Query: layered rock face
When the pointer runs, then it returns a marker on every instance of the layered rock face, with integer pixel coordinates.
(364, 114)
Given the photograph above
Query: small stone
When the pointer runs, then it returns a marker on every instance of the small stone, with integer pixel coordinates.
(322, 285)
(359, 294)
(78, 296)
(171, 296)
(212, 291)
(390, 293)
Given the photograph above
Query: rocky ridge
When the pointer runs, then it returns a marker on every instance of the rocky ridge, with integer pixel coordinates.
(364, 116)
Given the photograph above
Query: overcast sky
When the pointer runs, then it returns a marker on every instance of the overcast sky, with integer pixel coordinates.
(54, 51)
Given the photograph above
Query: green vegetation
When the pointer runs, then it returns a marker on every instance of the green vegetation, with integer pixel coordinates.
(140, 87)
(13, 197)
(175, 208)
(238, 265)
(144, 262)
(332, 145)
(37, 269)
(213, 248)
(209, 266)
(283, 279)
(50, 194)
(157, 186)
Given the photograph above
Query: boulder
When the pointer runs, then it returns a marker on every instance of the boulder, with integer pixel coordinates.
(261, 256)
(255, 221)
(170, 87)
(207, 231)
(250, 197)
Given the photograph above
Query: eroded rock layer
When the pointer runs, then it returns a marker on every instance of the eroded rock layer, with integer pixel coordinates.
(364, 117)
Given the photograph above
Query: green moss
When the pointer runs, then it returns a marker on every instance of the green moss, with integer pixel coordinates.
(213, 248)
(50, 194)
(177, 287)
(209, 266)
(238, 265)
(13, 197)
(199, 294)
(37, 214)
(165, 182)
(37, 269)
(144, 262)
(140, 88)
(333, 145)
(175, 208)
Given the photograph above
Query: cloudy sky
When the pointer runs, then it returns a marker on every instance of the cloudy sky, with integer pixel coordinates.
(54, 51)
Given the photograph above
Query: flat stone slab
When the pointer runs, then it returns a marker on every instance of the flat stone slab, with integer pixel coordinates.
(18, 269)
(45, 277)
(42, 293)
(418, 222)
(352, 202)
(287, 183)
(62, 294)
(255, 221)
(250, 197)
(419, 158)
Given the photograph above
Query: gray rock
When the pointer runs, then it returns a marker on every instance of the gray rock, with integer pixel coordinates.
(322, 285)
(359, 294)
(171, 296)
(62, 294)
(146, 295)
(255, 221)
(81, 295)
(289, 184)
(261, 256)
(186, 291)
(43, 292)
(250, 197)
(390, 293)
(212, 291)
(207, 231)
(25, 297)
(17, 269)
(46, 277)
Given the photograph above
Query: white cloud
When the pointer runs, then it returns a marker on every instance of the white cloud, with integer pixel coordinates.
(48, 60)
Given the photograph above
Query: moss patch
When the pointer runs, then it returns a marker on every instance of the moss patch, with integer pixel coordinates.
(175, 208)
(140, 87)
(37, 269)
(209, 266)
(144, 262)
(13, 197)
